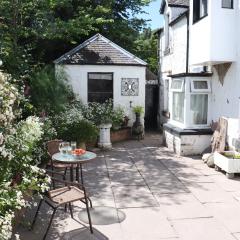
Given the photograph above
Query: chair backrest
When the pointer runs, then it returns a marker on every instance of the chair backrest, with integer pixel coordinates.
(53, 146)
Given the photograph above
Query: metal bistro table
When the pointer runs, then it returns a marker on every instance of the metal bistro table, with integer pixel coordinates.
(74, 160)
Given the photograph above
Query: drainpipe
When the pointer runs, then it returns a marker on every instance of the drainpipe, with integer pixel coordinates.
(187, 53)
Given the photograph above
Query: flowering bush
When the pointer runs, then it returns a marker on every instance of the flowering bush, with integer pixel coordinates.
(71, 126)
(100, 113)
(19, 173)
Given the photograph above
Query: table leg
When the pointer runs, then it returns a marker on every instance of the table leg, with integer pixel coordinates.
(77, 173)
(81, 174)
(71, 173)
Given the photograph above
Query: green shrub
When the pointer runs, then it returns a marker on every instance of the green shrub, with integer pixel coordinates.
(50, 92)
(71, 126)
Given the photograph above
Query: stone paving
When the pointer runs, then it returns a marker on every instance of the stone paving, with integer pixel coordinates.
(151, 194)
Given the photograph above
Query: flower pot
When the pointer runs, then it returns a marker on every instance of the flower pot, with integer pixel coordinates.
(137, 128)
(104, 138)
(229, 165)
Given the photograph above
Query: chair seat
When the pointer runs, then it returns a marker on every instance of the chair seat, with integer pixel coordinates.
(61, 165)
(65, 195)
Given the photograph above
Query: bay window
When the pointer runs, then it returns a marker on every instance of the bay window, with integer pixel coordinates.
(190, 102)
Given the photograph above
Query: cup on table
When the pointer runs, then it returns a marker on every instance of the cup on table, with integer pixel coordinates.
(73, 145)
(64, 147)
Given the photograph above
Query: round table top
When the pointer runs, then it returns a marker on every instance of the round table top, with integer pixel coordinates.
(73, 159)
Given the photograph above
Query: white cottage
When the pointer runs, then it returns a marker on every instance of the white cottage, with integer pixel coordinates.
(99, 69)
(199, 68)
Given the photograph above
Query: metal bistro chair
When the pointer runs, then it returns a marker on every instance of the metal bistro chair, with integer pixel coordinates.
(61, 196)
(52, 148)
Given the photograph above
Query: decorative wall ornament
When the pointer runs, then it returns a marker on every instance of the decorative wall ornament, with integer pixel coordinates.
(130, 87)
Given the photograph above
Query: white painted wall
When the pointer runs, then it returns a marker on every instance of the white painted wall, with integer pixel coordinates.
(78, 78)
(213, 38)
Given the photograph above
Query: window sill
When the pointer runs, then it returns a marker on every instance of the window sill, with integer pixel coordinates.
(180, 132)
(198, 20)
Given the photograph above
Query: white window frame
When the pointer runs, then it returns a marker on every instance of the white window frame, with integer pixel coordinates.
(182, 86)
(188, 89)
(196, 90)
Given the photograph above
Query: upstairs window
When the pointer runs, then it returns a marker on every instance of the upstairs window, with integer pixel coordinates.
(227, 4)
(200, 9)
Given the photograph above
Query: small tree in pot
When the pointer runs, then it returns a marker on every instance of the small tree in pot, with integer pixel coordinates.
(138, 129)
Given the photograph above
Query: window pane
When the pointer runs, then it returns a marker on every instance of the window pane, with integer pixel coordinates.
(200, 84)
(177, 84)
(106, 76)
(227, 3)
(100, 87)
(203, 8)
(178, 106)
(199, 108)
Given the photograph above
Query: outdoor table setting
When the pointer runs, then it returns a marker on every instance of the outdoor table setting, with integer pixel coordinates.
(69, 154)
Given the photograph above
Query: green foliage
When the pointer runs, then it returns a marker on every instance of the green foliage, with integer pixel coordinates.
(100, 113)
(37, 32)
(138, 109)
(71, 126)
(146, 48)
(49, 92)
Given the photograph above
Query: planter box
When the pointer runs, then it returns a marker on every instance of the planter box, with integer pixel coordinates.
(121, 135)
(229, 165)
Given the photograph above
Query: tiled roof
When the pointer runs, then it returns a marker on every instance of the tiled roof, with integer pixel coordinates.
(179, 2)
(99, 50)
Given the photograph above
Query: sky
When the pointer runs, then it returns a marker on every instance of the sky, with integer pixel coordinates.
(153, 14)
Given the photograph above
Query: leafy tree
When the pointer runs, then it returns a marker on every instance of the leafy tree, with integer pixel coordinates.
(49, 92)
(146, 48)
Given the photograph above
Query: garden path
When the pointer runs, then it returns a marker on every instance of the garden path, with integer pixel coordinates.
(150, 194)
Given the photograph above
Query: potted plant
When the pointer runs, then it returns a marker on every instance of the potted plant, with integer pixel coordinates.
(229, 161)
(138, 129)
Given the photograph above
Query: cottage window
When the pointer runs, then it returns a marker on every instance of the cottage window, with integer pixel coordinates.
(227, 4)
(178, 96)
(200, 9)
(100, 87)
(189, 102)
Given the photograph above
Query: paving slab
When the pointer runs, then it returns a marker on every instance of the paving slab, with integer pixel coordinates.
(152, 220)
(209, 192)
(201, 228)
(133, 196)
(182, 206)
(226, 213)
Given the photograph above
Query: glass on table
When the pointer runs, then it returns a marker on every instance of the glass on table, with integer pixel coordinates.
(65, 147)
(73, 145)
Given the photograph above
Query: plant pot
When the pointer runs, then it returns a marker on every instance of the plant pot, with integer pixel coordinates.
(137, 128)
(229, 165)
(104, 138)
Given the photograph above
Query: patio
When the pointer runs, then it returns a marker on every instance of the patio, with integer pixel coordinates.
(142, 191)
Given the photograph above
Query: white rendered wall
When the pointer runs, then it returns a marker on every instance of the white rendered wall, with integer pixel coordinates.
(187, 144)
(179, 52)
(78, 78)
(213, 38)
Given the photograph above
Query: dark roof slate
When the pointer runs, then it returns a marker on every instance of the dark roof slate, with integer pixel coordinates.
(176, 3)
(99, 50)
(179, 2)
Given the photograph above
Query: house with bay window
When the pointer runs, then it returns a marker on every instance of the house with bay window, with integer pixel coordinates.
(199, 70)
(99, 69)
